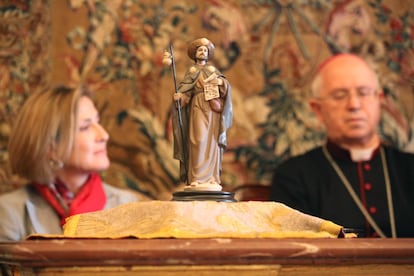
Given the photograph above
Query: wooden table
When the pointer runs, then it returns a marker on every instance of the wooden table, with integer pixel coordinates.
(207, 256)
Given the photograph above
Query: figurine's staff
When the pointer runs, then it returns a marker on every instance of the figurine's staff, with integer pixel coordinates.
(169, 60)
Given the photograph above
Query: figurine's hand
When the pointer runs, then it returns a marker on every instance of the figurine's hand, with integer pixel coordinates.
(177, 96)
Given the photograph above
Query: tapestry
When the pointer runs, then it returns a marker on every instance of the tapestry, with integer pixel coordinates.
(24, 67)
(267, 49)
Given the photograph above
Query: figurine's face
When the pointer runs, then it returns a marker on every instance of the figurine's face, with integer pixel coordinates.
(201, 53)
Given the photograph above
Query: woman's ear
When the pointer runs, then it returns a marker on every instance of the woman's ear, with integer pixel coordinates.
(54, 161)
(52, 153)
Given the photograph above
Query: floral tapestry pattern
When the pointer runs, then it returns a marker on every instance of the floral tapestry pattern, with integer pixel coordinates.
(268, 49)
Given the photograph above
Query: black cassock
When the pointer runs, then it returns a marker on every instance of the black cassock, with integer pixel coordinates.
(309, 184)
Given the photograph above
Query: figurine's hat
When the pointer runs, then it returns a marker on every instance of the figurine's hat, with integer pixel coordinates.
(192, 48)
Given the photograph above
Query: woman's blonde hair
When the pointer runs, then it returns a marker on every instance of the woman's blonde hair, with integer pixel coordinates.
(43, 133)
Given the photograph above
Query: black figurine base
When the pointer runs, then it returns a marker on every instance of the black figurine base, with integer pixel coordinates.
(219, 196)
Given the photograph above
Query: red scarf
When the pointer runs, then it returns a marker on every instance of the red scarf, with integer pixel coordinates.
(91, 197)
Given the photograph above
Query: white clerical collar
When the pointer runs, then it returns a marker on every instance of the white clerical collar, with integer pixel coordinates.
(358, 155)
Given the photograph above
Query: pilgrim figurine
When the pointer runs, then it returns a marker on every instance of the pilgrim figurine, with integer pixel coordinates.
(203, 115)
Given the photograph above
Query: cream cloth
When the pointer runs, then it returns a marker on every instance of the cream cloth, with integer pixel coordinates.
(199, 219)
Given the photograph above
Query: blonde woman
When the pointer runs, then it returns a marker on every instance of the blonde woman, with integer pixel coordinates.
(59, 146)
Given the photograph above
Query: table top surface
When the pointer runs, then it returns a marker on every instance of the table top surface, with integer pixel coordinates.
(83, 252)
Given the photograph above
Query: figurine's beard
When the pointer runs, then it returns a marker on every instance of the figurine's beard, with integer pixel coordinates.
(201, 58)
